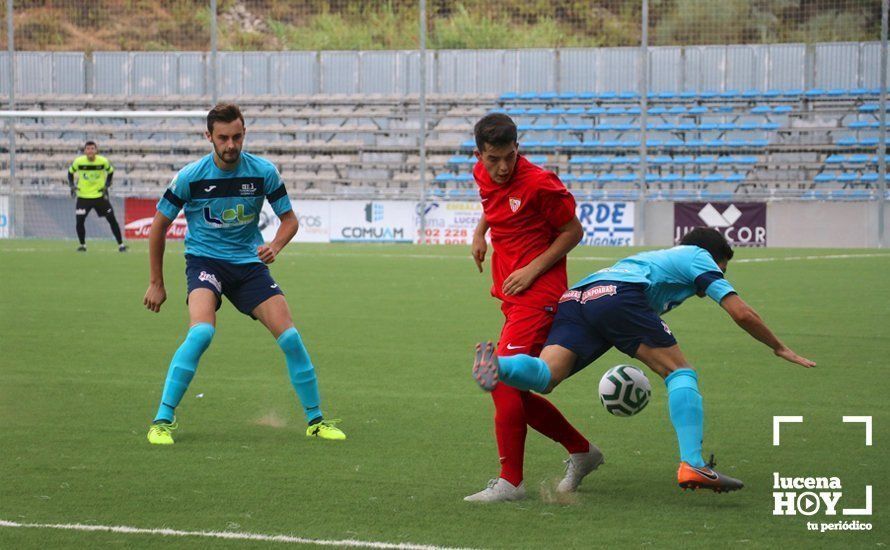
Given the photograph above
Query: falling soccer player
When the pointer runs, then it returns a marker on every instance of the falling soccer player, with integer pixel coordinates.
(620, 306)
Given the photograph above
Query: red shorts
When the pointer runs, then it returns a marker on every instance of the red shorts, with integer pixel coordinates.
(525, 330)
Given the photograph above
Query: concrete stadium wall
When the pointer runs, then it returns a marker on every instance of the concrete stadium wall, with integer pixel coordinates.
(796, 224)
(793, 224)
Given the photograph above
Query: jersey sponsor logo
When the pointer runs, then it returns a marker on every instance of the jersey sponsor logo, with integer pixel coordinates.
(598, 292)
(515, 203)
(248, 190)
(210, 278)
(229, 217)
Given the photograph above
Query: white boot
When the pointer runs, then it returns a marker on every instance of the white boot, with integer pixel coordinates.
(498, 490)
(578, 465)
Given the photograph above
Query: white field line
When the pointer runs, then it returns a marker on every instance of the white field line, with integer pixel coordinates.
(230, 535)
(806, 258)
(468, 258)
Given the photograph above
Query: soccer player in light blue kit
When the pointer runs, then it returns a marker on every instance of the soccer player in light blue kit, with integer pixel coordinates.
(222, 195)
(620, 306)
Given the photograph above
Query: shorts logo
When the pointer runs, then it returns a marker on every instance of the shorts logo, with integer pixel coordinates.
(666, 328)
(570, 295)
(598, 292)
(80, 211)
(210, 278)
(515, 204)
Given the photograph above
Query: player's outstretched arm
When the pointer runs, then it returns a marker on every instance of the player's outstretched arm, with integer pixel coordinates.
(745, 317)
(286, 231)
(479, 246)
(157, 241)
(569, 236)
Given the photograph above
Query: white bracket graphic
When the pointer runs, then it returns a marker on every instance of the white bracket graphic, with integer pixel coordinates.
(861, 511)
(777, 423)
(867, 421)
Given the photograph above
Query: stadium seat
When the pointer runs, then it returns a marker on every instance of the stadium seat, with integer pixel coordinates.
(869, 178)
(761, 109)
(735, 177)
(628, 94)
(848, 177)
(862, 124)
(860, 159)
(509, 96)
(782, 109)
(568, 96)
(705, 160)
(825, 177)
(751, 94)
(714, 178)
(835, 92)
(671, 178)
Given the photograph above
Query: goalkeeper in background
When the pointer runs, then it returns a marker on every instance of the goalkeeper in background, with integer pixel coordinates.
(94, 174)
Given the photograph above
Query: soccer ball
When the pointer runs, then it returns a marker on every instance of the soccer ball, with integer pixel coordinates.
(624, 390)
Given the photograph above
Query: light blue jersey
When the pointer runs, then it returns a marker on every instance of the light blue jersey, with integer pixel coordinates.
(223, 208)
(671, 276)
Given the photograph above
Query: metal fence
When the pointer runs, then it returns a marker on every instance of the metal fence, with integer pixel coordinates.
(236, 48)
(692, 68)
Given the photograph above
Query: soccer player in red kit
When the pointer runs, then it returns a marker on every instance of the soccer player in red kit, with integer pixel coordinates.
(533, 226)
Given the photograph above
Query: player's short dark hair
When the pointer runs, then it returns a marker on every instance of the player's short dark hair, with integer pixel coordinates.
(496, 129)
(711, 240)
(223, 112)
(90, 142)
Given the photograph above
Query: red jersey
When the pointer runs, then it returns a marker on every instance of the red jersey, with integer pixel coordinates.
(523, 215)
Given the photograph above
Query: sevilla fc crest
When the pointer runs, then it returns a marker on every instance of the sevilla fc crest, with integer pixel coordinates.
(515, 203)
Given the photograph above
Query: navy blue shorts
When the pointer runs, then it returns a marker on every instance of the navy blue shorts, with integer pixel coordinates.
(245, 285)
(593, 319)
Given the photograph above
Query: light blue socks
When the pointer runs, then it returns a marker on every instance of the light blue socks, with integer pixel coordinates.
(182, 368)
(687, 414)
(524, 372)
(302, 373)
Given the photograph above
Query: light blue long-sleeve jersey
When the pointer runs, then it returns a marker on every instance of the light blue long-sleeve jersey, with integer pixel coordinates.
(671, 275)
(222, 208)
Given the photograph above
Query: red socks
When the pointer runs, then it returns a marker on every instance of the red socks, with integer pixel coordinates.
(514, 410)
